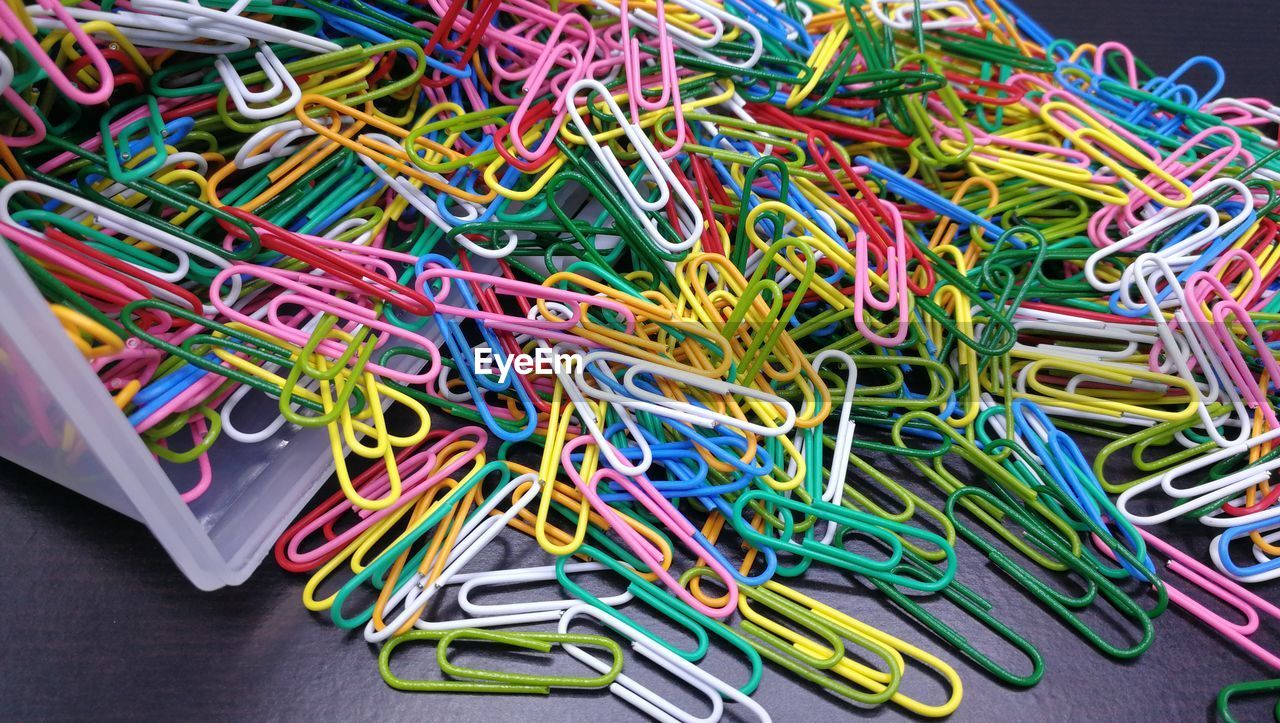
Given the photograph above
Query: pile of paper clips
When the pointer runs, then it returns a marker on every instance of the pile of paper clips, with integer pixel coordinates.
(661, 284)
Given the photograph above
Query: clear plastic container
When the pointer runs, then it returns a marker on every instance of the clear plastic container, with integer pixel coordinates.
(61, 423)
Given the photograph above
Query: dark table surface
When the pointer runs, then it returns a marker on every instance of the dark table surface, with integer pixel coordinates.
(95, 621)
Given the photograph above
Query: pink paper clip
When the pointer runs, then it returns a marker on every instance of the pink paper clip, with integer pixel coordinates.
(675, 523)
(538, 78)
(572, 300)
(316, 293)
(896, 272)
(1228, 591)
(13, 30)
(667, 69)
(1221, 339)
(423, 476)
(20, 106)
